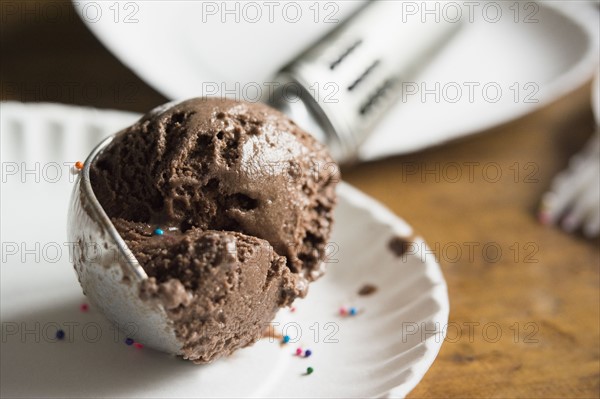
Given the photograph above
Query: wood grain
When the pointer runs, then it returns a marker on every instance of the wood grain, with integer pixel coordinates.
(524, 318)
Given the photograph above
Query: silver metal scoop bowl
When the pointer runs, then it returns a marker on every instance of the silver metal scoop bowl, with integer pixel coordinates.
(109, 273)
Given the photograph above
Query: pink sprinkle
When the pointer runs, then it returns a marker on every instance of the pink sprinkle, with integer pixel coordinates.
(343, 311)
(84, 307)
(293, 309)
(138, 345)
(298, 351)
(544, 218)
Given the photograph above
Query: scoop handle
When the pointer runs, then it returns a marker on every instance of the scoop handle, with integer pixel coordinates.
(342, 85)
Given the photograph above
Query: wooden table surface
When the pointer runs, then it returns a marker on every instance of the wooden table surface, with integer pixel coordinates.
(524, 319)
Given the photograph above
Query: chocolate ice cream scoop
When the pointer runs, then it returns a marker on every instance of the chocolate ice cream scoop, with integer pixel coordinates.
(210, 215)
(224, 165)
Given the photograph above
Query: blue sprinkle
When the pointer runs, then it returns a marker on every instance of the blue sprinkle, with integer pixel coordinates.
(60, 334)
(307, 353)
(286, 339)
(159, 232)
(129, 341)
(353, 312)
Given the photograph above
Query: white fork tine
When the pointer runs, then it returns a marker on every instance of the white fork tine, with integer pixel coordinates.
(575, 192)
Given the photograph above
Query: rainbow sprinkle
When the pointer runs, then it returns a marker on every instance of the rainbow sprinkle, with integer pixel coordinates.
(348, 311)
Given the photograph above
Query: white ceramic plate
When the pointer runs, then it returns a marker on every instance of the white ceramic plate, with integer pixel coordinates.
(515, 59)
(387, 347)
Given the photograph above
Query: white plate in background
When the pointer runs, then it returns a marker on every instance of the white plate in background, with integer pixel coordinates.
(533, 52)
(386, 349)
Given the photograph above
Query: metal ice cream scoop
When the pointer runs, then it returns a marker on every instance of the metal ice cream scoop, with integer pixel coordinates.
(337, 90)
